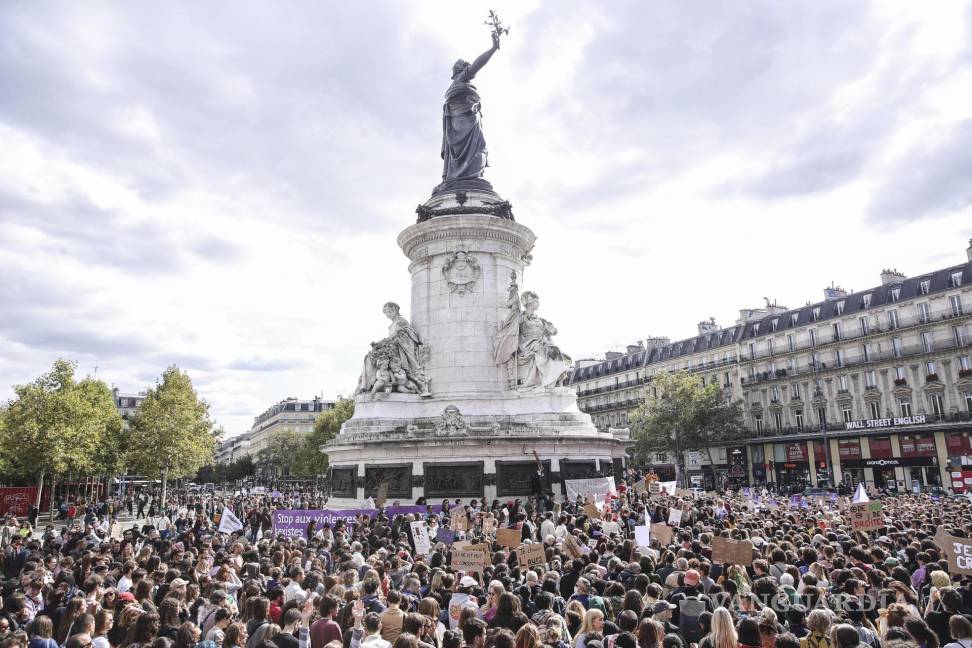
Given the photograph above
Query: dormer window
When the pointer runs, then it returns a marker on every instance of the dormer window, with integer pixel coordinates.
(793, 319)
(866, 301)
(774, 323)
(895, 293)
(955, 279)
(756, 328)
(840, 307)
(816, 313)
(923, 286)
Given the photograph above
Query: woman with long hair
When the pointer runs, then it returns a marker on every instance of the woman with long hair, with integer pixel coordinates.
(75, 608)
(722, 631)
(527, 637)
(651, 633)
(235, 636)
(593, 622)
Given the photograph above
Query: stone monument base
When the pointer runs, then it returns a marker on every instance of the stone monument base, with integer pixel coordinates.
(429, 447)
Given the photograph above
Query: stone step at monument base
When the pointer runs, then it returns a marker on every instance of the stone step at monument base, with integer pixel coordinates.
(477, 466)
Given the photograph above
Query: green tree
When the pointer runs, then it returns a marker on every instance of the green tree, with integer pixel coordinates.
(279, 454)
(113, 447)
(56, 425)
(171, 432)
(310, 460)
(680, 414)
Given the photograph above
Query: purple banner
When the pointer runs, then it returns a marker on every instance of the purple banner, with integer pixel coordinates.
(292, 523)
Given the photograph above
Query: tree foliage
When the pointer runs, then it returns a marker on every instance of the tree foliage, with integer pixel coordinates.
(171, 432)
(239, 468)
(680, 413)
(310, 460)
(280, 453)
(56, 425)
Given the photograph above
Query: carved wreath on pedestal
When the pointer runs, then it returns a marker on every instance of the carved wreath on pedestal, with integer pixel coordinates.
(461, 272)
(451, 423)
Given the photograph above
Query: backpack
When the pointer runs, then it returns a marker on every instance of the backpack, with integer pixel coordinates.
(689, 610)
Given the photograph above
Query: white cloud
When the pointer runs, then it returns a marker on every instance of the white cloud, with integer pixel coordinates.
(221, 185)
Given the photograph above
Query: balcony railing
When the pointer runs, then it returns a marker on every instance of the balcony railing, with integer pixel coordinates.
(887, 355)
(904, 321)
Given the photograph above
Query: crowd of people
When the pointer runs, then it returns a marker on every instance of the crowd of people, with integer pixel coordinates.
(174, 581)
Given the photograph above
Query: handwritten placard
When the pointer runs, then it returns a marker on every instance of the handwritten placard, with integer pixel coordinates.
(468, 560)
(866, 516)
(533, 556)
(662, 532)
(737, 552)
(958, 550)
(509, 537)
(592, 511)
(675, 517)
(572, 547)
(458, 520)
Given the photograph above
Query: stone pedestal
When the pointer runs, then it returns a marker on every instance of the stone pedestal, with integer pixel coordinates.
(476, 435)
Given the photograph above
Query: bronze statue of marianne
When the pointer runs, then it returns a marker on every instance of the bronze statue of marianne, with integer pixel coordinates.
(463, 143)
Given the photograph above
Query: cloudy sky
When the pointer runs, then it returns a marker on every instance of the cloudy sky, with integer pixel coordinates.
(220, 184)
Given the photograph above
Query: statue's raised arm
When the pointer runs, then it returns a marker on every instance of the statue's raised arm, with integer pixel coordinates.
(463, 143)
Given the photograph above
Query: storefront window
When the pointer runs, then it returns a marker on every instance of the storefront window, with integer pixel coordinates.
(917, 445)
(757, 451)
(958, 444)
(796, 452)
(819, 451)
(880, 447)
(849, 448)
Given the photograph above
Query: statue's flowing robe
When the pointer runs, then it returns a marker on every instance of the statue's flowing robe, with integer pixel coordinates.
(405, 343)
(463, 144)
(539, 363)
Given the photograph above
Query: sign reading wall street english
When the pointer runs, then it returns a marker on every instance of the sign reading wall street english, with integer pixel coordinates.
(866, 424)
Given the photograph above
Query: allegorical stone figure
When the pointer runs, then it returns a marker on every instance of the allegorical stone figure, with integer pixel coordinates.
(524, 344)
(463, 144)
(397, 362)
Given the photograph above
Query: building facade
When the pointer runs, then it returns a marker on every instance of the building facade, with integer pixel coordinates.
(233, 448)
(290, 414)
(127, 403)
(871, 386)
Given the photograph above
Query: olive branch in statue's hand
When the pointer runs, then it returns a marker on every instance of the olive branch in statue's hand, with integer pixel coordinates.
(497, 27)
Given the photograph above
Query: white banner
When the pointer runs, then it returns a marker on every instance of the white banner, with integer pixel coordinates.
(599, 487)
(228, 522)
(674, 517)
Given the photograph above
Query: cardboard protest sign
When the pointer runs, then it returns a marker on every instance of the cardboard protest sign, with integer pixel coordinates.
(592, 511)
(533, 556)
(458, 520)
(675, 517)
(468, 560)
(654, 488)
(737, 552)
(381, 495)
(642, 536)
(573, 549)
(958, 550)
(662, 532)
(420, 534)
(489, 524)
(865, 516)
(681, 492)
(509, 537)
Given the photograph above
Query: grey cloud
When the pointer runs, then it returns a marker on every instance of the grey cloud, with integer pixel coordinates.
(932, 178)
(265, 364)
(807, 172)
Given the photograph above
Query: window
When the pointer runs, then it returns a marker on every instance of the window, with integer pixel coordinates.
(870, 379)
(964, 363)
(923, 286)
(815, 314)
(875, 408)
(968, 401)
(894, 294)
(791, 364)
(958, 335)
(815, 360)
(793, 319)
(955, 279)
(866, 301)
(931, 368)
(725, 382)
(927, 342)
(917, 445)
(880, 447)
(838, 358)
(955, 301)
(840, 307)
(795, 392)
(866, 353)
(822, 416)
(923, 313)
(778, 420)
(769, 347)
(842, 383)
(896, 347)
(790, 343)
(899, 373)
(759, 423)
(937, 404)
(752, 350)
(813, 337)
(845, 411)
(892, 319)
(905, 405)
(798, 414)
(755, 329)
(775, 393)
(865, 329)
(849, 448)
(774, 323)
(836, 330)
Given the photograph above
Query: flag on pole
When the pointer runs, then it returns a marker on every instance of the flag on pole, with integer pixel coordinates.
(228, 522)
(860, 495)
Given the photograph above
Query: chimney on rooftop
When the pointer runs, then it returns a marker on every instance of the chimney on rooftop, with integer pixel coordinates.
(636, 348)
(612, 355)
(708, 326)
(834, 292)
(891, 276)
(968, 250)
